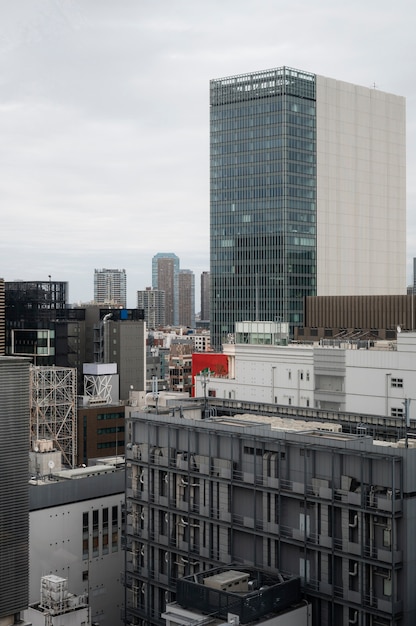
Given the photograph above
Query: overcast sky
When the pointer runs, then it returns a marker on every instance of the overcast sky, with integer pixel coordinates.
(104, 118)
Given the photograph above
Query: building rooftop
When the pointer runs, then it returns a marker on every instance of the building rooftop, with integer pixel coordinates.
(248, 593)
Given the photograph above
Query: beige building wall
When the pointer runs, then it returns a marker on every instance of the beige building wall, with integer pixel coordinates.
(361, 190)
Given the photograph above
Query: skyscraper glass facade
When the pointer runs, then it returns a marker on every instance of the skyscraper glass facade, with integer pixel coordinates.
(263, 198)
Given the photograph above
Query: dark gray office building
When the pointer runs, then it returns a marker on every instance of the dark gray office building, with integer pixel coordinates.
(14, 490)
(334, 508)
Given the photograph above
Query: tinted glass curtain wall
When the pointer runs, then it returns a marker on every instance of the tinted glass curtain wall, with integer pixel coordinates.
(263, 198)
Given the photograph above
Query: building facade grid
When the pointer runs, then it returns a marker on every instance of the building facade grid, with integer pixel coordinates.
(327, 507)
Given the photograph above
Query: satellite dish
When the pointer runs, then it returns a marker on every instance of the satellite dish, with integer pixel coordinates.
(36, 448)
(399, 329)
(51, 464)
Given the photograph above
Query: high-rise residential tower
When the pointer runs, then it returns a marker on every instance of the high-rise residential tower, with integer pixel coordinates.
(165, 276)
(307, 194)
(110, 286)
(152, 301)
(205, 295)
(186, 298)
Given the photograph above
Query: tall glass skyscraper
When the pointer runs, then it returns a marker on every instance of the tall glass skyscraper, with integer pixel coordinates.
(295, 195)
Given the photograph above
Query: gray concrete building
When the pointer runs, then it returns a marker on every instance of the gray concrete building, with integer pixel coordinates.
(165, 276)
(152, 301)
(76, 519)
(14, 499)
(334, 508)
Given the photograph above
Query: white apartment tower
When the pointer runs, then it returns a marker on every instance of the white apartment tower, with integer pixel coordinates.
(110, 286)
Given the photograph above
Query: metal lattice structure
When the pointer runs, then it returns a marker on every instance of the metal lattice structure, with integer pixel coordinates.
(98, 388)
(53, 414)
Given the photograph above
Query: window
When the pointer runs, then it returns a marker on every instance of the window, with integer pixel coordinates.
(105, 531)
(114, 529)
(387, 537)
(85, 540)
(85, 575)
(95, 534)
(397, 412)
(304, 569)
(397, 382)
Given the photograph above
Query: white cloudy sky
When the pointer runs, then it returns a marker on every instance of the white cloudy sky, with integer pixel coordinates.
(104, 134)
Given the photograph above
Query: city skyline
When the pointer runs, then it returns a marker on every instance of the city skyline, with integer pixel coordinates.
(104, 162)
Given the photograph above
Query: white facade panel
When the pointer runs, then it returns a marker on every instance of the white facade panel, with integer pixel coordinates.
(99, 369)
(361, 190)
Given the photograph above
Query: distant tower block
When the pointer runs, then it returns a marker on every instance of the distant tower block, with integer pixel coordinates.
(110, 286)
(53, 409)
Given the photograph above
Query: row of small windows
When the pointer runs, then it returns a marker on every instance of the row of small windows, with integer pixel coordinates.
(237, 195)
(111, 429)
(100, 532)
(251, 259)
(237, 288)
(218, 235)
(262, 157)
(260, 452)
(261, 145)
(263, 181)
(254, 272)
(246, 239)
(109, 416)
(262, 133)
(268, 299)
(262, 169)
(261, 121)
(290, 240)
(302, 375)
(397, 382)
(231, 222)
(110, 444)
(266, 106)
(223, 257)
(265, 205)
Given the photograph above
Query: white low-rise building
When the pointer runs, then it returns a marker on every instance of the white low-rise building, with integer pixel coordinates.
(76, 519)
(355, 377)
